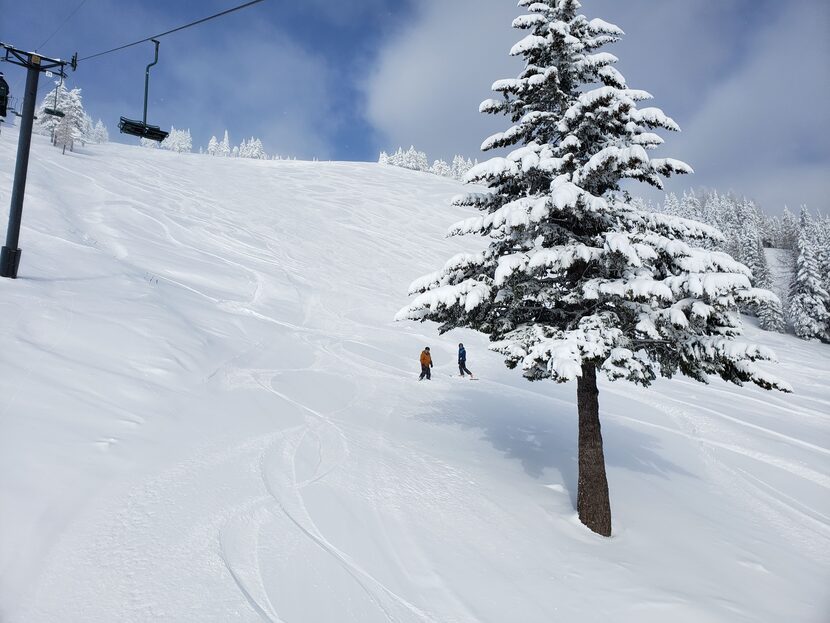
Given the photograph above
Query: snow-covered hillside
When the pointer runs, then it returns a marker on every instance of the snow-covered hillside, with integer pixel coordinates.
(208, 414)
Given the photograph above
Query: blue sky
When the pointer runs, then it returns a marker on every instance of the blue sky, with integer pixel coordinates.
(747, 80)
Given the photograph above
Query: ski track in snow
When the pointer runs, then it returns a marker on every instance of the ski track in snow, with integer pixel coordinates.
(794, 521)
(327, 484)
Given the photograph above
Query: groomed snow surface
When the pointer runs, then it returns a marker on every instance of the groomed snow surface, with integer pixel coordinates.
(209, 414)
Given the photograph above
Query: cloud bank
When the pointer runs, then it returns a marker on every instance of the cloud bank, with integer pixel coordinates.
(747, 81)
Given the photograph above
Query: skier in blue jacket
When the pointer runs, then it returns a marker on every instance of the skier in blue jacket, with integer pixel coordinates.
(462, 361)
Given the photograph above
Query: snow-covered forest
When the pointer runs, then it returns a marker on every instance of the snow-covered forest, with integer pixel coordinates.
(250, 148)
(756, 239)
(418, 161)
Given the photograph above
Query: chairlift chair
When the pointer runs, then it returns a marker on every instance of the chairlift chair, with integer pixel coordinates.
(14, 104)
(55, 111)
(141, 128)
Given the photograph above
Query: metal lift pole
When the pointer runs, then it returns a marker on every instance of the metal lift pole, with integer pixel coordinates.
(147, 80)
(34, 64)
(10, 254)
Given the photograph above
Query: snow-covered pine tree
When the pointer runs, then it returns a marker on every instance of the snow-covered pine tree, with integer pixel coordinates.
(179, 141)
(671, 205)
(47, 124)
(213, 146)
(85, 133)
(252, 149)
(770, 311)
(575, 282)
(225, 146)
(460, 166)
(750, 250)
(441, 169)
(416, 160)
(809, 301)
(692, 207)
(789, 230)
(822, 244)
(69, 102)
(100, 133)
(383, 158)
(745, 240)
(396, 159)
(66, 131)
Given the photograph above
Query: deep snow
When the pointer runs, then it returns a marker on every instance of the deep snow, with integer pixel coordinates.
(209, 414)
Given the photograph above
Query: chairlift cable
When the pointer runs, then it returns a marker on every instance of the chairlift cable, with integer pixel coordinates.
(200, 21)
(68, 17)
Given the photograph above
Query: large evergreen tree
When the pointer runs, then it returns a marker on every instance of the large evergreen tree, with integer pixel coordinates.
(576, 282)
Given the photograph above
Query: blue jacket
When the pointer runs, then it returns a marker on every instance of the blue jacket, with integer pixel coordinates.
(462, 354)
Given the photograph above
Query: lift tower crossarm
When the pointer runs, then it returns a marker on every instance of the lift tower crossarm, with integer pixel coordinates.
(25, 59)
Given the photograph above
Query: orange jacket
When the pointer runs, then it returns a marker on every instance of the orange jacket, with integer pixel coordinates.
(426, 358)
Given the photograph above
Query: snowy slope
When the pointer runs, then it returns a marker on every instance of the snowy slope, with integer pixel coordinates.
(208, 414)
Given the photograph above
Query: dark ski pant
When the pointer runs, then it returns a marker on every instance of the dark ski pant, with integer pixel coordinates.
(425, 373)
(462, 368)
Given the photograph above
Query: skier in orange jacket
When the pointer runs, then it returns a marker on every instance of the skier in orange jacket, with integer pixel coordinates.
(426, 364)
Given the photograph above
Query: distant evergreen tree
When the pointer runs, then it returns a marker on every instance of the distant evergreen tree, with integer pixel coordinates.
(179, 141)
(822, 245)
(671, 205)
(225, 146)
(789, 230)
(252, 149)
(575, 281)
(692, 207)
(809, 301)
(441, 169)
(415, 160)
(213, 146)
(66, 130)
(770, 311)
(460, 166)
(750, 248)
(100, 135)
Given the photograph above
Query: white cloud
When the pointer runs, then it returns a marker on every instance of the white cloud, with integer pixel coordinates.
(763, 132)
(343, 11)
(750, 101)
(430, 79)
(269, 88)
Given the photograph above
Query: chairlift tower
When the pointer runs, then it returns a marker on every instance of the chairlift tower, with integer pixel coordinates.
(34, 64)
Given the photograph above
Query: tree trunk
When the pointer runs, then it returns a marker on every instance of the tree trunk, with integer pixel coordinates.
(592, 500)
